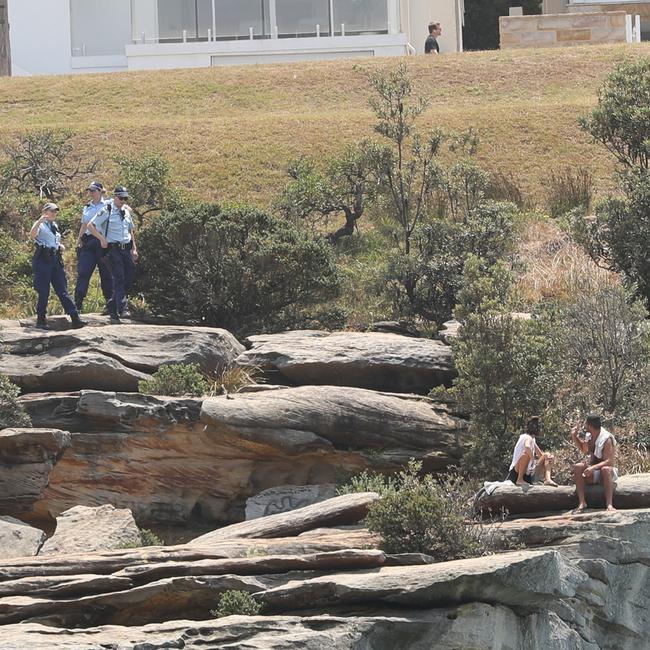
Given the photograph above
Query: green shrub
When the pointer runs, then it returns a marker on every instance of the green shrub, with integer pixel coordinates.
(424, 515)
(235, 267)
(426, 282)
(147, 538)
(12, 413)
(368, 482)
(176, 380)
(236, 603)
(507, 367)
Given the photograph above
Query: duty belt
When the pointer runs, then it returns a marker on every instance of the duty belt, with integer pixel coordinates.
(125, 246)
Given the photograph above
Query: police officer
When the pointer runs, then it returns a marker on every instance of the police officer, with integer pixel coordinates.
(114, 228)
(89, 251)
(48, 267)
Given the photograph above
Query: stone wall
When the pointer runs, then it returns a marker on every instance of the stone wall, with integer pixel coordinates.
(562, 29)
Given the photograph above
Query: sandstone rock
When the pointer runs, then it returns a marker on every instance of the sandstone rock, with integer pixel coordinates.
(632, 491)
(387, 362)
(17, 539)
(27, 457)
(172, 460)
(476, 625)
(83, 529)
(450, 331)
(287, 497)
(107, 358)
(344, 509)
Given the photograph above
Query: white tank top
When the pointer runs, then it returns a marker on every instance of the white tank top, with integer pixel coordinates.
(519, 452)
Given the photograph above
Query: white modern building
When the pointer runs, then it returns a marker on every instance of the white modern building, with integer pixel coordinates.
(69, 36)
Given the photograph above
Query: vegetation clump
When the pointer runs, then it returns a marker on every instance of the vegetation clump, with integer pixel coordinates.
(420, 514)
(176, 380)
(234, 267)
(12, 412)
(236, 603)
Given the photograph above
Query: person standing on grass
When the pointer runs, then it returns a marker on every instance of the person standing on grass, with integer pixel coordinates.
(529, 462)
(431, 44)
(47, 264)
(600, 444)
(89, 251)
(114, 228)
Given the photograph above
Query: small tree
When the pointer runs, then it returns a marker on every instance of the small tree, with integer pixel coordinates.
(406, 168)
(236, 267)
(43, 162)
(621, 121)
(506, 366)
(603, 340)
(346, 186)
(619, 236)
(147, 177)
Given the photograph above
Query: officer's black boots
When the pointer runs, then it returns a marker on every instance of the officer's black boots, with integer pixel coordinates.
(41, 323)
(77, 322)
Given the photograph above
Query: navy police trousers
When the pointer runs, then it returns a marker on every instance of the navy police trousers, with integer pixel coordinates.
(89, 257)
(122, 267)
(48, 270)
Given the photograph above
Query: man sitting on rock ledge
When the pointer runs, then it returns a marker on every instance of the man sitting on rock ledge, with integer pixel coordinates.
(600, 444)
(529, 462)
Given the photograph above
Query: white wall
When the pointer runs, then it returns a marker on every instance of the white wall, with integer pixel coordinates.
(40, 36)
(193, 55)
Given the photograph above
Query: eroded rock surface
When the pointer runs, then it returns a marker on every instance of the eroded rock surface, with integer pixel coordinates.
(174, 460)
(83, 529)
(386, 362)
(285, 498)
(588, 588)
(18, 539)
(114, 357)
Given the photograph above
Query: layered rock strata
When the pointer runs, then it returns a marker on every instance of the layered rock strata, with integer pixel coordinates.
(114, 357)
(374, 360)
(178, 460)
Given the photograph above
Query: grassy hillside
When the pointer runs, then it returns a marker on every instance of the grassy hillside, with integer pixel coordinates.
(230, 131)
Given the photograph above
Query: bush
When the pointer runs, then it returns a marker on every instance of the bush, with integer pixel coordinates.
(506, 366)
(236, 603)
(12, 413)
(147, 538)
(602, 339)
(426, 283)
(568, 190)
(423, 515)
(236, 268)
(619, 234)
(176, 380)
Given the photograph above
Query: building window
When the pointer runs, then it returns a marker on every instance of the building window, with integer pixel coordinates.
(95, 31)
(300, 17)
(235, 18)
(361, 16)
(179, 18)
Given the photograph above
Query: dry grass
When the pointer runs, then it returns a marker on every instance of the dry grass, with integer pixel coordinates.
(554, 266)
(229, 132)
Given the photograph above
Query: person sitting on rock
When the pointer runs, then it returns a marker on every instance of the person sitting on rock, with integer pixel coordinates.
(529, 462)
(600, 444)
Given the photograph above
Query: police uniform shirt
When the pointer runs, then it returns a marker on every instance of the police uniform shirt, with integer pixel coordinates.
(119, 228)
(48, 235)
(92, 209)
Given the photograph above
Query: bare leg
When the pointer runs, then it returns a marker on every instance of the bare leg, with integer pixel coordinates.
(521, 467)
(547, 463)
(608, 487)
(580, 486)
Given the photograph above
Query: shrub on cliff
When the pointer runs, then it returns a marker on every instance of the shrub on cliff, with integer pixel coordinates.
(176, 380)
(233, 267)
(420, 514)
(236, 603)
(12, 413)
